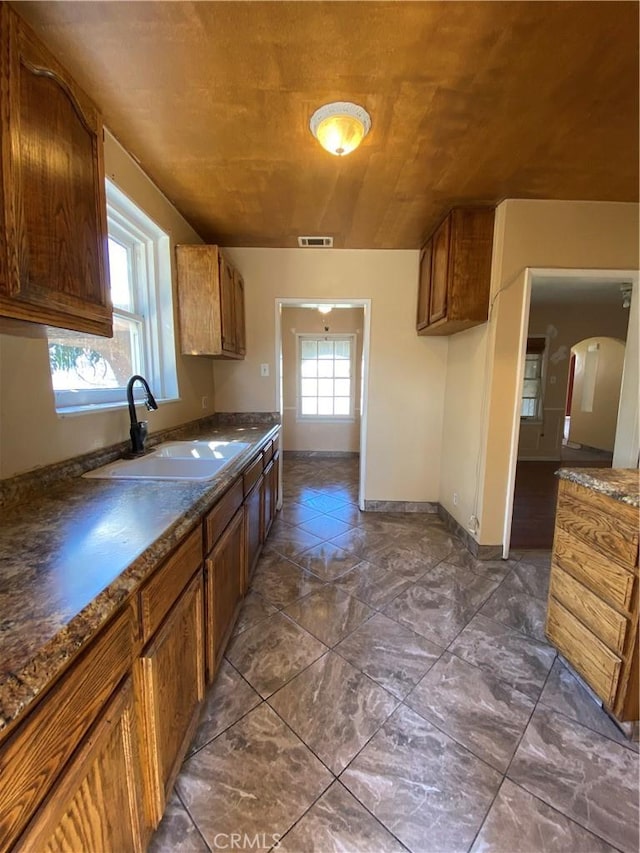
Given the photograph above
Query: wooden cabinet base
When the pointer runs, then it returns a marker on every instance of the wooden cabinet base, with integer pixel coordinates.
(97, 805)
(169, 680)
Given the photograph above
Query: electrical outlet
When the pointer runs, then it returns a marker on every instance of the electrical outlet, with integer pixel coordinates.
(205, 402)
(455, 499)
(264, 370)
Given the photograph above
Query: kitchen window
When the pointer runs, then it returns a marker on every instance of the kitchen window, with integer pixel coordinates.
(326, 377)
(531, 407)
(89, 371)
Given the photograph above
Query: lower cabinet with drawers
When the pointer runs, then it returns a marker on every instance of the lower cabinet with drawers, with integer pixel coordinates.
(592, 615)
(92, 765)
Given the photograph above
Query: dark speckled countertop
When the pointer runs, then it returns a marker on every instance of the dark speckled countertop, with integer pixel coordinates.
(69, 557)
(621, 484)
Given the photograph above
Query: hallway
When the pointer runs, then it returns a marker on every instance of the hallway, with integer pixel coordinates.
(384, 692)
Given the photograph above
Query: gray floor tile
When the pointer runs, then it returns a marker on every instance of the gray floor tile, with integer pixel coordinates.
(392, 655)
(534, 577)
(349, 514)
(334, 709)
(228, 699)
(256, 779)
(361, 541)
(329, 614)
(325, 527)
(326, 503)
(430, 792)
(254, 609)
(281, 582)
(295, 513)
(581, 774)
(520, 661)
(496, 569)
(478, 710)
(511, 605)
(177, 833)
(447, 579)
(564, 693)
(519, 821)
(410, 563)
(337, 823)
(272, 652)
(437, 617)
(372, 584)
(291, 541)
(328, 561)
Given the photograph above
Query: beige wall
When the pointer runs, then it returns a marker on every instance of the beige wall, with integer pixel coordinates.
(31, 433)
(318, 435)
(539, 234)
(595, 425)
(406, 372)
(564, 323)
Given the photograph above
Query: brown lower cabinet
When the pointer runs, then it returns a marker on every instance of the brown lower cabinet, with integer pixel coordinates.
(224, 590)
(97, 805)
(169, 678)
(91, 765)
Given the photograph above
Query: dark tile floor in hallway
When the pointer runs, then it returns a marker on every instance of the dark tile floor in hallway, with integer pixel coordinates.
(384, 691)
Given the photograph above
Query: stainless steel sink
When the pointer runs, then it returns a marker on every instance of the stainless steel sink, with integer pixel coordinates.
(178, 460)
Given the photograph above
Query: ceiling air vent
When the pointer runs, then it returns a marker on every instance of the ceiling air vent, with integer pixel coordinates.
(315, 242)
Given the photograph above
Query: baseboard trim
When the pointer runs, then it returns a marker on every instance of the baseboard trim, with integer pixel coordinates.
(401, 506)
(480, 552)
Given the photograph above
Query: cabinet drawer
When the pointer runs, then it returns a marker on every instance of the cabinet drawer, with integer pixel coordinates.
(33, 757)
(605, 622)
(252, 474)
(158, 596)
(597, 664)
(222, 513)
(593, 521)
(267, 453)
(590, 567)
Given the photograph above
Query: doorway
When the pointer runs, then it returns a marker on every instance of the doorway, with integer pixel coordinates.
(322, 353)
(579, 325)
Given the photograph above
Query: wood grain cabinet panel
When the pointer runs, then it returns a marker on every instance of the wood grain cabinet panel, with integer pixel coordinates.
(97, 805)
(592, 616)
(455, 273)
(224, 589)
(211, 303)
(33, 758)
(253, 527)
(169, 681)
(53, 224)
(597, 664)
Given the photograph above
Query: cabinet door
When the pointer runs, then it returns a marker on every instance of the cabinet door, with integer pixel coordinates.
(253, 527)
(54, 266)
(270, 494)
(424, 287)
(198, 269)
(97, 803)
(241, 342)
(227, 307)
(440, 273)
(169, 690)
(224, 586)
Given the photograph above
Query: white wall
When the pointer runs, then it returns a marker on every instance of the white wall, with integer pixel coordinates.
(31, 433)
(482, 380)
(593, 421)
(309, 434)
(406, 372)
(564, 323)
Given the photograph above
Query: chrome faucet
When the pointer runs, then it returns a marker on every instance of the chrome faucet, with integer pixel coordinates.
(138, 431)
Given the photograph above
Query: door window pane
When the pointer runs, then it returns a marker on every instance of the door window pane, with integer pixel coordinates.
(326, 386)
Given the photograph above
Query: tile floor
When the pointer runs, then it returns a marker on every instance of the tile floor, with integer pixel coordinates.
(385, 692)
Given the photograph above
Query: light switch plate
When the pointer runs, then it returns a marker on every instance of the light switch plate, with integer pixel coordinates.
(264, 370)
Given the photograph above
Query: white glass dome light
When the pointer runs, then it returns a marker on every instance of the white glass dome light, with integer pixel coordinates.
(340, 127)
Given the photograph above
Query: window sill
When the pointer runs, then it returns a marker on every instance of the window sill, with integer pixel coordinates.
(327, 419)
(532, 421)
(98, 408)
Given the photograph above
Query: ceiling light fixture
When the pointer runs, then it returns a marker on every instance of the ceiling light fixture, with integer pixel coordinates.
(325, 309)
(340, 127)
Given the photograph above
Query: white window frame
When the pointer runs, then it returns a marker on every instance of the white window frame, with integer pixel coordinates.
(542, 363)
(325, 418)
(150, 253)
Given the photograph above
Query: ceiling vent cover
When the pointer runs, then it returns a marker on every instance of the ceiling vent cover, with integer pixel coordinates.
(315, 242)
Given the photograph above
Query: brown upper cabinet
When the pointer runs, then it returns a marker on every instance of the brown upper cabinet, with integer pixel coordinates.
(211, 302)
(455, 273)
(53, 220)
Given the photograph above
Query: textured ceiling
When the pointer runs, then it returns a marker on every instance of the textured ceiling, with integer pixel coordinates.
(470, 102)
